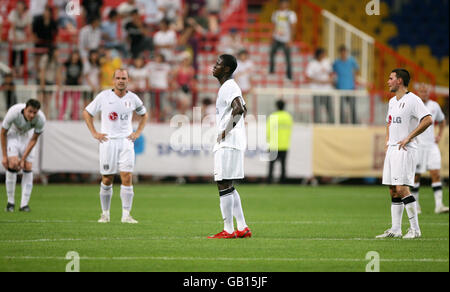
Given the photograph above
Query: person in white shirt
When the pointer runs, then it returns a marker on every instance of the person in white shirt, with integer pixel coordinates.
(244, 73)
(284, 21)
(407, 117)
(116, 141)
(230, 147)
(319, 74)
(159, 76)
(18, 141)
(428, 154)
(165, 40)
(90, 38)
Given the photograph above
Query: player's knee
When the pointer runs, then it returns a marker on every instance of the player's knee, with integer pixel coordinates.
(107, 180)
(126, 178)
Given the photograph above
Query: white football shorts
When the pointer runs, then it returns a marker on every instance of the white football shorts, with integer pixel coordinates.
(399, 166)
(428, 158)
(16, 145)
(116, 155)
(228, 164)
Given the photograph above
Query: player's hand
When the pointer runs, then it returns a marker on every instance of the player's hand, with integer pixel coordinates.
(5, 163)
(101, 137)
(133, 136)
(21, 164)
(402, 144)
(221, 137)
(437, 139)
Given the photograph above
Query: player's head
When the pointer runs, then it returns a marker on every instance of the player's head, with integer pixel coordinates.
(243, 54)
(319, 54)
(423, 91)
(284, 4)
(120, 79)
(225, 66)
(280, 104)
(31, 109)
(398, 78)
(343, 51)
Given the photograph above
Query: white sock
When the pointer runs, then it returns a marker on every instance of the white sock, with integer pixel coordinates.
(106, 193)
(411, 210)
(27, 187)
(397, 213)
(126, 194)
(437, 190)
(415, 191)
(238, 212)
(226, 206)
(10, 182)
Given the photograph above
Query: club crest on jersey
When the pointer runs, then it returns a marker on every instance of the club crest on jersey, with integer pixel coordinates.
(113, 116)
(105, 166)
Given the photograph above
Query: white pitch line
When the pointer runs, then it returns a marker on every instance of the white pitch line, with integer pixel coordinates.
(204, 238)
(146, 258)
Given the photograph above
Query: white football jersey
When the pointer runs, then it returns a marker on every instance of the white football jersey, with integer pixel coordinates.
(237, 137)
(16, 124)
(116, 112)
(427, 137)
(404, 116)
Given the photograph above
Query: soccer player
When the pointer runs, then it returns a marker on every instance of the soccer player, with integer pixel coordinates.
(18, 143)
(428, 154)
(116, 148)
(230, 147)
(407, 117)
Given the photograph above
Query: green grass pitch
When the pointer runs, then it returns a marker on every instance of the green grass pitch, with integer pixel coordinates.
(295, 228)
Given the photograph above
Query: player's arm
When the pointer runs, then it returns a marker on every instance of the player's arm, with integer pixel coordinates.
(142, 120)
(30, 146)
(386, 139)
(238, 109)
(4, 140)
(425, 122)
(90, 124)
(440, 131)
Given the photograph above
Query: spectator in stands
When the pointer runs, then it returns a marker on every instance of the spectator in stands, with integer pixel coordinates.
(165, 40)
(1, 29)
(20, 22)
(208, 112)
(184, 77)
(138, 74)
(50, 73)
(150, 9)
(90, 38)
(193, 8)
(74, 75)
(346, 68)
(279, 130)
(45, 29)
(189, 37)
(110, 61)
(125, 9)
(284, 21)
(171, 9)
(37, 8)
(319, 75)
(244, 73)
(138, 35)
(213, 8)
(65, 20)
(92, 10)
(91, 76)
(110, 36)
(231, 43)
(159, 76)
(9, 89)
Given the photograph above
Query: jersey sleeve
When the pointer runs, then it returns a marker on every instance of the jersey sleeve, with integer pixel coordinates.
(9, 118)
(39, 128)
(234, 91)
(420, 110)
(95, 106)
(140, 108)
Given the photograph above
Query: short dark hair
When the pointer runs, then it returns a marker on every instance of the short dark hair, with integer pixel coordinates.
(229, 61)
(280, 104)
(342, 48)
(403, 74)
(318, 52)
(33, 103)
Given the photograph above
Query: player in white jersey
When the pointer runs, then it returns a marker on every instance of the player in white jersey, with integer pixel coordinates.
(116, 147)
(428, 154)
(230, 147)
(18, 143)
(407, 117)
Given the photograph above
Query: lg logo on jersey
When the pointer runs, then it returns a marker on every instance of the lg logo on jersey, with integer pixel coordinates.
(113, 116)
(395, 120)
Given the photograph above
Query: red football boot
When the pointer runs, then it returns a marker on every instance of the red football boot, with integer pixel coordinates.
(243, 233)
(224, 234)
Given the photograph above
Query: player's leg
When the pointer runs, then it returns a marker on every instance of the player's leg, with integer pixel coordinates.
(126, 167)
(106, 192)
(415, 191)
(436, 185)
(396, 215)
(27, 186)
(226, 190)
(10, 181)
(108, 167)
